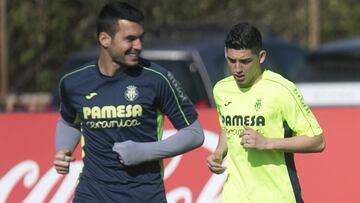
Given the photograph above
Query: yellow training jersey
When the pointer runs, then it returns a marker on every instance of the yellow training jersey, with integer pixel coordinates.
(262, 176)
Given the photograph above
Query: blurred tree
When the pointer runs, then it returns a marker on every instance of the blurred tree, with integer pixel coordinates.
(43, 33)
(3, 54)
(340, 19)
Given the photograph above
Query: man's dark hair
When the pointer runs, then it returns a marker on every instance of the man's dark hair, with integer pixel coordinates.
(110, 14)
(244, 36)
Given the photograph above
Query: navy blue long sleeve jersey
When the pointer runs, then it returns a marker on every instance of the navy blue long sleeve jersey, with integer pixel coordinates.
(128, 106)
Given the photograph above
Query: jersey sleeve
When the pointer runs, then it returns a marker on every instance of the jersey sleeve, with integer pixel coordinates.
(298, 115)
(67, 112)
(174, 102)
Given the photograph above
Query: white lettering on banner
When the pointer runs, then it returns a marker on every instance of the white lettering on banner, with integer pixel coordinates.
(178, 194)
(43, 187)
(67, 187)
(211, 190)
(29, 170)
(47, 182)
(175, 161)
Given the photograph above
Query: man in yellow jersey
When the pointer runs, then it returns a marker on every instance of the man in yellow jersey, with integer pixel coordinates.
(254, 105)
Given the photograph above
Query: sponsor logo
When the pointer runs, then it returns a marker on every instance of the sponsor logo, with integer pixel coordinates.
(238, 131)
(301, 99)
(121, 123)
(90, 96)
(239, 120)
(112, 116)
(177, 87)
(227, 104)
(120, 111)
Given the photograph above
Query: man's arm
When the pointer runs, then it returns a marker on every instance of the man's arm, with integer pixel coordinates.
(296, 144)
(186, 139)
(67, 138)
(67, 135)
(215, 160)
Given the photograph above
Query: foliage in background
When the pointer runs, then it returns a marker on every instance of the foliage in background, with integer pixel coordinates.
(43, 33)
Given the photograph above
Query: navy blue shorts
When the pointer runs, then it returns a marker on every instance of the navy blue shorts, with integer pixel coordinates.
(89, 190)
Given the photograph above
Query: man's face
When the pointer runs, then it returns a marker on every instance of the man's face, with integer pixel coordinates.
(126, 45)
(245, 65)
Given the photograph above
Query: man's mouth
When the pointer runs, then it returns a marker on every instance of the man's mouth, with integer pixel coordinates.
(239, 77)
(134, 54)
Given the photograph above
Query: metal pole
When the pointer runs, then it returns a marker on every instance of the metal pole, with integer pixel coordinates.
(314, 24)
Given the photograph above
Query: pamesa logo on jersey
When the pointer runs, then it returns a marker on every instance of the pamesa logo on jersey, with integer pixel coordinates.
(131, 93)
(114, 116)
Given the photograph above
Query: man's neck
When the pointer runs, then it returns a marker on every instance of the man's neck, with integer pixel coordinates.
(108, 67)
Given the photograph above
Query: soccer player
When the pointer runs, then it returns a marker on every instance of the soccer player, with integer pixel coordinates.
(253, 104)
(117, 102)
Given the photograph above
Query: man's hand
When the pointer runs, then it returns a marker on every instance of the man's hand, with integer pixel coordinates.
(214, 162)
(62, 161)
(129, 152)
(252, 139)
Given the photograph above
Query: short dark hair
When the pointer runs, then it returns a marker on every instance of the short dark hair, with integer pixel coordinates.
(244, 36)
(109, 15)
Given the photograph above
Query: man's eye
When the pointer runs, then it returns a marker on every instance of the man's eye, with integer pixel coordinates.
(232, 60)
(131, 38)
(246, 61)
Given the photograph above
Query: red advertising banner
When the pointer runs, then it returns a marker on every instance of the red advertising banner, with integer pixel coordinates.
(27, 151)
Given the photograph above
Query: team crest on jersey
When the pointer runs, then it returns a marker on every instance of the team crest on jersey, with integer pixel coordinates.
(131, 93)
(257, 105)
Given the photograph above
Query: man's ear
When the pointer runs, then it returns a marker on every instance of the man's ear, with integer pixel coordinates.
(104, 39)
(262, 56)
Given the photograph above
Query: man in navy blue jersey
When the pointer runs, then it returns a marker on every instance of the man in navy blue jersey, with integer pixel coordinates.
(118, 102)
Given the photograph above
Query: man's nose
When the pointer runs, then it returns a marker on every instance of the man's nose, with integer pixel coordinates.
(238, 66)
(137, 44)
